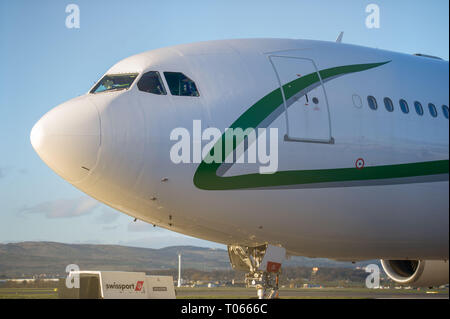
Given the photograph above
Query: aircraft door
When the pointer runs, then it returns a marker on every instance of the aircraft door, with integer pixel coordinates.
(305, 101)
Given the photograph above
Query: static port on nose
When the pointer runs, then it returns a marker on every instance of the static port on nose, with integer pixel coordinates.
(68, 138)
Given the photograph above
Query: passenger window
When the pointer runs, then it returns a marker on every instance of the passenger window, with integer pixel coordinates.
(445, 111)
(418, 107)
(432, 109)
(357, 101)
(404, 106)
(151, 82)
(179, 84)
(372, 102)
(388, 104)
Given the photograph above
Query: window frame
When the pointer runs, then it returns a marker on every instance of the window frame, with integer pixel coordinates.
(417, 103)
(97, 85)
(445, 110)
(170, 90)
(432, 106)
(371, 97)
(160, 80)
(390, 103)
(406, 104)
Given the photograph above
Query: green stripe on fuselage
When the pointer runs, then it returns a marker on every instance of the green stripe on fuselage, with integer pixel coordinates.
(208, 180)
(206, 175)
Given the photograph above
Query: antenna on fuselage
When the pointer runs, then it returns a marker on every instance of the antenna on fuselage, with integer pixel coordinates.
(339, 38)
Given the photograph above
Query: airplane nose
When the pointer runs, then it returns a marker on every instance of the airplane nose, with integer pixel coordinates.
(68, 138)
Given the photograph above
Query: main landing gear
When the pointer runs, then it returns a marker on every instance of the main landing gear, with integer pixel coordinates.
(262, 264)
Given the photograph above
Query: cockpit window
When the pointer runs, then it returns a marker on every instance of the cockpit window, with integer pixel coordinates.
(179, 84)
(114, 82)
(151, 82)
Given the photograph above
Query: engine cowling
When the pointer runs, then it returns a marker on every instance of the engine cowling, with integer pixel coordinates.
(417, 273)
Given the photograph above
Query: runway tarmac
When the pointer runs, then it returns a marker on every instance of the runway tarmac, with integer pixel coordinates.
(345, 293)
(244, 293)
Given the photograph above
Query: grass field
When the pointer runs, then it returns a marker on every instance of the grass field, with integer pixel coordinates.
(244, 293)
(28, 293)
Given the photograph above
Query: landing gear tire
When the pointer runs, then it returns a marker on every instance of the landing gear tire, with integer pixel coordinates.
(263, 267)
(268, 287)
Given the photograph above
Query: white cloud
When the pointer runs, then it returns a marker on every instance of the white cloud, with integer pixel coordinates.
(108, 215)
(63, 208)
(113, 227)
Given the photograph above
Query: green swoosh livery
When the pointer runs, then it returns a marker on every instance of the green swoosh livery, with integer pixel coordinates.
(206, 177)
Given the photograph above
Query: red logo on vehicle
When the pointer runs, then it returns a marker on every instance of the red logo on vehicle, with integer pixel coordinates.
(359, 163)
(139, 285)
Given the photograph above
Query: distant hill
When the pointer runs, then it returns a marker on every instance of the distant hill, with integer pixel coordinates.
(33, 258)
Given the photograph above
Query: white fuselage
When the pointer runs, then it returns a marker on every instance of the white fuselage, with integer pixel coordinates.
(115, 147)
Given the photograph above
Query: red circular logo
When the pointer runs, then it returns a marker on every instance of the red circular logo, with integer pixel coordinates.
(359, 163)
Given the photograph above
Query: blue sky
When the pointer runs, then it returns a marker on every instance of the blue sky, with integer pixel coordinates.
(43, 64)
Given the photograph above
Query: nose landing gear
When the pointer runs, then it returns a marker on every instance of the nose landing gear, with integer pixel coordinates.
(266, 284)
(263, 267)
